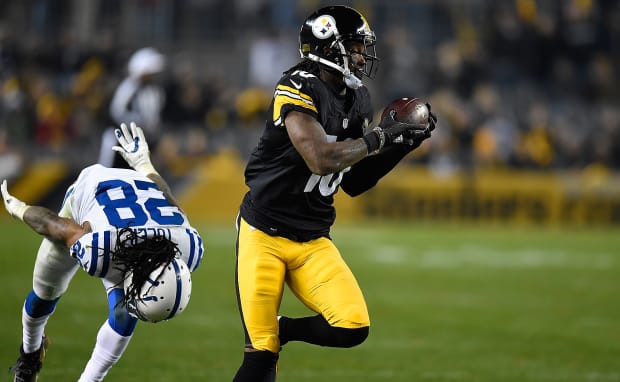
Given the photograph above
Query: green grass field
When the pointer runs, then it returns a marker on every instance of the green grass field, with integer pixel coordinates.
(447, 303)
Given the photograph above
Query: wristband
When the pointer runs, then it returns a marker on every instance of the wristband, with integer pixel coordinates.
(374, 140)
(146, 169)
(19, 211)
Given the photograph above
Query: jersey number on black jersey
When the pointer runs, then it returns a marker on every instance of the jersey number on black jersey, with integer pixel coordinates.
(328, 184)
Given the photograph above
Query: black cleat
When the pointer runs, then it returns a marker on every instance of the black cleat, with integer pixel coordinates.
(28, 365)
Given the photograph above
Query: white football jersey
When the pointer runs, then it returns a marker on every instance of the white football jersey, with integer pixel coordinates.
(111, 199)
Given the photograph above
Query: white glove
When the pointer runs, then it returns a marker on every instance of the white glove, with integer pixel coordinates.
(14, 206)
(134, 149)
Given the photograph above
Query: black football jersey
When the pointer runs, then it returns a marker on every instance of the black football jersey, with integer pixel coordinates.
(285, 198)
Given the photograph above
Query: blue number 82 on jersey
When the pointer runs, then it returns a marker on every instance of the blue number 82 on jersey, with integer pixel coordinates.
(124, 208)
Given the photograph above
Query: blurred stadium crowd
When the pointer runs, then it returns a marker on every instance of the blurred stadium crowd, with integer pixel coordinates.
(517, 83)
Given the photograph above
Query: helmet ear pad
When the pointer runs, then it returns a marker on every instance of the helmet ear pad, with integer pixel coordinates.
(332, 54)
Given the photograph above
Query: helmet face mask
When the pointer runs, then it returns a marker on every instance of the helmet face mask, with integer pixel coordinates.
(371, 61)
(327, 37)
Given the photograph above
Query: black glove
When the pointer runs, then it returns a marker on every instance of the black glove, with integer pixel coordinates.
(391, 132)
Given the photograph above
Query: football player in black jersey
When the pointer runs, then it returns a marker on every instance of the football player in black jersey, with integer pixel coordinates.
(317, 141)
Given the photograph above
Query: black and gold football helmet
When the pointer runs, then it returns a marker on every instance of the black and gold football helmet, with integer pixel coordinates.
(324, 38)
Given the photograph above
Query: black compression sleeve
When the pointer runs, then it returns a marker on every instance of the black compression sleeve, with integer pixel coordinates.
(316, 330)
(257, 366)
(366, 173)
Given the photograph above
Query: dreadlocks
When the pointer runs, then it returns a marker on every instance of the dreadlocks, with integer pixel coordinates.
(307, 66)
(140, 256)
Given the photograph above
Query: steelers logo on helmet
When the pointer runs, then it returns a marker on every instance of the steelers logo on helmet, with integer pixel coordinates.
(324, 27)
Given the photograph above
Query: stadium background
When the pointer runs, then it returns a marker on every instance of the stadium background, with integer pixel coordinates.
(527, 93)
(491, 254)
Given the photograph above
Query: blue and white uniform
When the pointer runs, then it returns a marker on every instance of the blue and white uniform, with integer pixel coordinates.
(111, 199)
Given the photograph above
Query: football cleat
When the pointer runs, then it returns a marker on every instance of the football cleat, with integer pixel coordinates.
(29, 365)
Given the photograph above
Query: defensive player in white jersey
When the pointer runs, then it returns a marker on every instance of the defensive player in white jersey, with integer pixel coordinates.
(111, 221)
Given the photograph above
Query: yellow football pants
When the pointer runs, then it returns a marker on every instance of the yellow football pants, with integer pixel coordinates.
(314, 271)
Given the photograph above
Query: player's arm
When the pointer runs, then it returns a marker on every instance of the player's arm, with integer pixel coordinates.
(164, 187)
(365, 174)
(134, 149)
(43, 220)
(324, 157)
(321, 156)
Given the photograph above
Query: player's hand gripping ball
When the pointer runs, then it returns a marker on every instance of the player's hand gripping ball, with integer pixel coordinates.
(408, 110)
(413, 111)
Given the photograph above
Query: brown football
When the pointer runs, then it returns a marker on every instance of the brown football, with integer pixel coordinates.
(408, 110)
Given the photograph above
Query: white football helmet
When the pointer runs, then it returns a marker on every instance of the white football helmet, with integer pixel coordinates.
(164, 295)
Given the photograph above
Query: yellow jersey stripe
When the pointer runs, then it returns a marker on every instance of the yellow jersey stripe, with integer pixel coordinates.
(287, 95)
(284, 88)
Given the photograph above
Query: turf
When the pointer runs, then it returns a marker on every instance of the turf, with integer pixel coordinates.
(447, 303)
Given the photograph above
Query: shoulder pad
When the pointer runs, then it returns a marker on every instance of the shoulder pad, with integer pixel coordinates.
(92, 252)
(294, 91)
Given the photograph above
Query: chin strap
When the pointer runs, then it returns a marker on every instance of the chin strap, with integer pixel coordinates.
(351, 81)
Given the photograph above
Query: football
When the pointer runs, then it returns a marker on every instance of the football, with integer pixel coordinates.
(408, 110)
